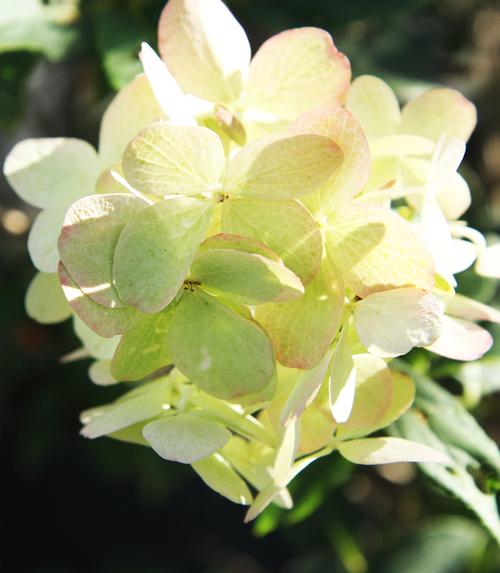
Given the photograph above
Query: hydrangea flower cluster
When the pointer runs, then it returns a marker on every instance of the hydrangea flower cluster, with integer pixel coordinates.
(252, 243)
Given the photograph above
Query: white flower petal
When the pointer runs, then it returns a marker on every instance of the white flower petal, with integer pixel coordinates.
(392, 322)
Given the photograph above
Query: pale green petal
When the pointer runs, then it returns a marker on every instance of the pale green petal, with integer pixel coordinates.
(97, 346)
(263, 499)
(252, 278)
(42, 240)
(285, 455)
(167, 159)
(305, 390)
(100, 373)
(45, 301)
(295, 71)
(156, 249)
(282, 166)
(143, 348)
(126, 411)
(88, 240)
(302, 330)
(342, 383)
(453, 194)
(373, 451)
(375, 249)
(215, 471)
(218, 350)
(488, 263)
(392, 322)
(205, 48)
(374, 105)
(284, 226)
(133, 107)
(185, 438)
(101, 319)
(437, 112)
(167, 91)
(401, 145)
(373, 399)
(52, 171)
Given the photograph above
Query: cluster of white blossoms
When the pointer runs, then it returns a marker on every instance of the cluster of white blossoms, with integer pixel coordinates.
(276, 233)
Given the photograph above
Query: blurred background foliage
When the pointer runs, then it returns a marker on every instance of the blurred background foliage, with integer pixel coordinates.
(70, 505)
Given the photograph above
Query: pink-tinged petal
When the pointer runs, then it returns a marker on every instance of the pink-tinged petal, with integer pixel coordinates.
(339, 124)
(392, 322)
(205, 48)
(104, 321)
(301, 330)
(295, 71)
(437, 112)
(461, 340)
(465, 307)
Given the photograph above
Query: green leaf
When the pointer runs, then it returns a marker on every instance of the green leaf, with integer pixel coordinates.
(185, 438)
(286, 227)
(167, 159)
(295, 71)
(455, 478)
(101, 319)
(143, 348)
(37, 27)
(453, 424)
(252, 278)
(88, 240)
(215, 471)
(278, 167)
(138, 104)
(45, 301)
(156, 249)
(440, 545)
(302, 330)
(374, 451)
(375, 249)
(118, 33)
(218, 350)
